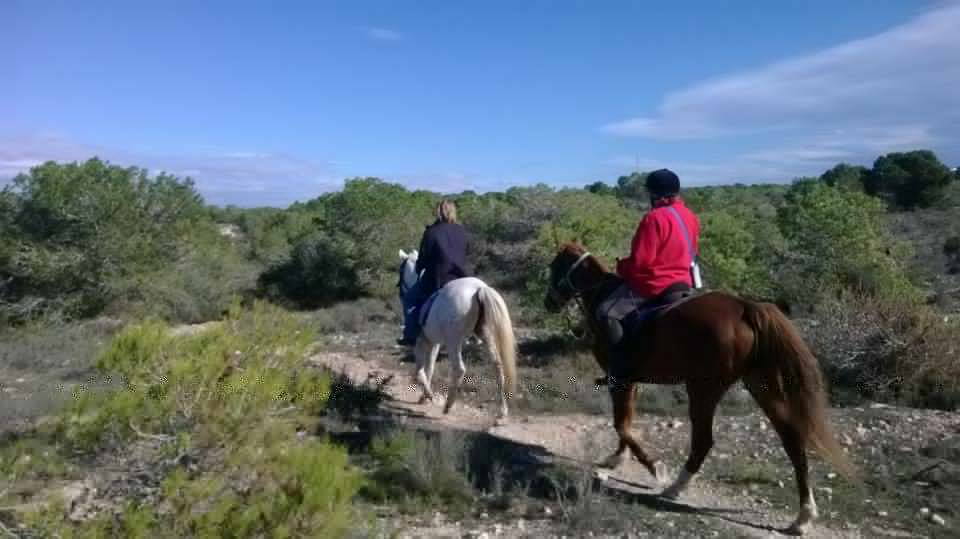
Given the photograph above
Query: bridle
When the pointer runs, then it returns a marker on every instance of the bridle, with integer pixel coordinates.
(567, 282)
(575, 293)
(567, 276)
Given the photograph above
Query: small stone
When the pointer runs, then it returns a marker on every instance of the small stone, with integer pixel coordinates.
(924, 512)
(831, 475)
(780, 484)
(547, 511)
(881, 513)
(676, 424)
(938, 520)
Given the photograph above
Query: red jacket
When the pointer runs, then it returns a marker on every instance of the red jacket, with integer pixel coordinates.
(659, 256)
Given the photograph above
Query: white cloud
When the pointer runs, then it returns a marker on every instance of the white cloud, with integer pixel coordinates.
(382, 34)
(908, 73)
(242, 178)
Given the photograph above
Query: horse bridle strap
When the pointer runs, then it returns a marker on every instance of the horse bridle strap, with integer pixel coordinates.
(566, 278)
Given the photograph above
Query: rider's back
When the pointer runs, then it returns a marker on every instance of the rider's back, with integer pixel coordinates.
(660, 256)
(443, 254)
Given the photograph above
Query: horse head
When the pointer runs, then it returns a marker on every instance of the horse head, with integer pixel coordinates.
(408, 269)
(572, 272)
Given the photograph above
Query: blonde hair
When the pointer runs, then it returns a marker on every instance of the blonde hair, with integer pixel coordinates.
(447, 211)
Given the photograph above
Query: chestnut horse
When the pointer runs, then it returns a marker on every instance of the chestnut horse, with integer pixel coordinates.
(708, 343)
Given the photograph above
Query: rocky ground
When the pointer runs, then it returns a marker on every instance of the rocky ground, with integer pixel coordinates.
(910, 458)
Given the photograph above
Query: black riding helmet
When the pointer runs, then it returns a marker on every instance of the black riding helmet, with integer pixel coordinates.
(663, 183)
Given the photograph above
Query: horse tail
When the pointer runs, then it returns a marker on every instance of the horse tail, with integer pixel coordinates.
(779, 345)
(497, 329)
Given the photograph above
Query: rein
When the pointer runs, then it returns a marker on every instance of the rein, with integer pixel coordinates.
(577, 294)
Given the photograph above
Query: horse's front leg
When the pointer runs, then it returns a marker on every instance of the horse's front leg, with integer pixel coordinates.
(623, 395)
(426, 354)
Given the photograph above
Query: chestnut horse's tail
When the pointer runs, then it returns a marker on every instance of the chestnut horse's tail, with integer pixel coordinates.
(780, 347)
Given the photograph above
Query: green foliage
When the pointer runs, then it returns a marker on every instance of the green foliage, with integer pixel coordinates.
(728, 251)
(633, 186)
(910, 179)
(214, 384)
(239, 391)
(349, 249)
(416, 470)
(837, 239)
(601, 223)
(80, 237)
(846, 176)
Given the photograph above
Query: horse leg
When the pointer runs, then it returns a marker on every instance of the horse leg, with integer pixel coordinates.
(457, 372)
(426, 354)
(623, 396)
(765, 391)
(703, 405)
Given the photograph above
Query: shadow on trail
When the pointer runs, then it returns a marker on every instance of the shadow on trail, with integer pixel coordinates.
(497, 466)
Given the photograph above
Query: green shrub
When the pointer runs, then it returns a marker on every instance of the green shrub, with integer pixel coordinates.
(237, 397)
(215, 383)
(418, 469)
(837, 240)
(82, 238)
(909, 179)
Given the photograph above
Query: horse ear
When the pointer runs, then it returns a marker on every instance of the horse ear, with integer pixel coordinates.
(403, 254)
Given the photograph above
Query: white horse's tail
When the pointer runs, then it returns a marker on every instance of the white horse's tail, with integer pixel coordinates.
(497, 330)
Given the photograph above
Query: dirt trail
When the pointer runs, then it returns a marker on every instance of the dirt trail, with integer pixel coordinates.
(710, 508)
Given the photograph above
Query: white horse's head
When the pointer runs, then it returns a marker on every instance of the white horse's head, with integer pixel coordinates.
(408, 269)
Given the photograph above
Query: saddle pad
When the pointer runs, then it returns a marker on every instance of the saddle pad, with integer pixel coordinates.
(425, 308)
(635, 322)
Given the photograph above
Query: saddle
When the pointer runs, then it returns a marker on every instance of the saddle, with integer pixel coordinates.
(638, 321)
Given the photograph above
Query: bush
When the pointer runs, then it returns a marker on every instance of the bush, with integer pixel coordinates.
(836, 239)
(80, 237)
(415, 469)
(234, 398)
(911, 179)
(213, 384)
(887, 349)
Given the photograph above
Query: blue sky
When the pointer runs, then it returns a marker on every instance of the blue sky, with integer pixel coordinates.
(271, 102)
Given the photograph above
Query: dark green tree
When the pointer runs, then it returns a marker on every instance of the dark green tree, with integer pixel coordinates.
(910, 179)
(844, 176)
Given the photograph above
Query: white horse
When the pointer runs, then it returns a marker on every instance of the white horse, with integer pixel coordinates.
(463, 307)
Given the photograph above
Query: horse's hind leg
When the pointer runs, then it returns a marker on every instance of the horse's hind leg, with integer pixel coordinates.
(766, 391)
(704, 399)
(457, 372)
(426, 354)
(501, 379)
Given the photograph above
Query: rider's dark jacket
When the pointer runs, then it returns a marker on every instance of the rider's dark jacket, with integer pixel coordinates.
(443, 254)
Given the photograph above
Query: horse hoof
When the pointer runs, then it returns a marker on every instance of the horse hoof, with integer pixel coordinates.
(660, 473)
(670, 493)
(612, 462)
(796, 529)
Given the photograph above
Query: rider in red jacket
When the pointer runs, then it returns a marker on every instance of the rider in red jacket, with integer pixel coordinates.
(659, 254)
(658, 269)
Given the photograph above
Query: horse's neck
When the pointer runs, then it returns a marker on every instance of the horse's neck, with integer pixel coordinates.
(606, 284)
